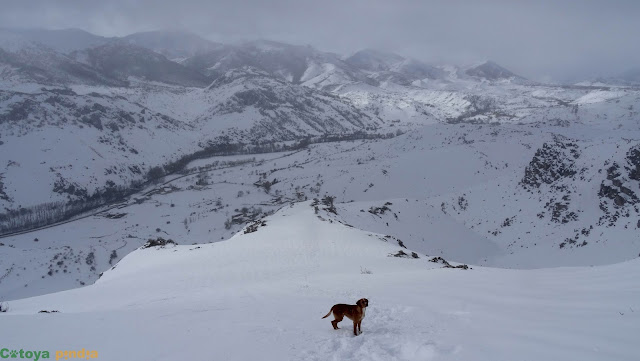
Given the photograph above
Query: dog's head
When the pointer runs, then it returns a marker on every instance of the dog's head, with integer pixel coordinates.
(363, 302)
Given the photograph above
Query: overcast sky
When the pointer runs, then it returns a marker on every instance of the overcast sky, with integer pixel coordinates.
(540, 39)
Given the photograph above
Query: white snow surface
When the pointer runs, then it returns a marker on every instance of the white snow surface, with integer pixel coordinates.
(261, 295)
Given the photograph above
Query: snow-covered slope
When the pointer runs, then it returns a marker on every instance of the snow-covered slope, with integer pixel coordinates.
(269, 286)
(57, 145)
(255, 107)
(25, 65)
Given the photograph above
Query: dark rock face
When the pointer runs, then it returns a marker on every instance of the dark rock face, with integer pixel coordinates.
(560, 212)
(551, 163)
(554, 165)
(614, 189)
(633, 159)
(618, 188)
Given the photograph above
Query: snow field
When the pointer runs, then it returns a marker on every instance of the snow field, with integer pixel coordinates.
(262, 295)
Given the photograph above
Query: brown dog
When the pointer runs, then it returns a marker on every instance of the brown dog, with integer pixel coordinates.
(354, 312)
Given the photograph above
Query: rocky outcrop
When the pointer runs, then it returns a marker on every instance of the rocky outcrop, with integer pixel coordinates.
(618, 192)
(554, 165)
(551, 163)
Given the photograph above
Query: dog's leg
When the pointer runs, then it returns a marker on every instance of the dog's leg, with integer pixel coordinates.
(360, 326)
(335, 322)
(355, 328)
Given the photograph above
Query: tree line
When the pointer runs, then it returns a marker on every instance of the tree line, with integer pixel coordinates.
(27, 218)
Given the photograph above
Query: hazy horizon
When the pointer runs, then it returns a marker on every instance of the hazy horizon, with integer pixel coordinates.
(541, 40)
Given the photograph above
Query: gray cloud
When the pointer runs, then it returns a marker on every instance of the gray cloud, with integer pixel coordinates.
(541, 38)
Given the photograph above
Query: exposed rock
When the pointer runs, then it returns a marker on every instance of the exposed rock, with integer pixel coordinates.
(253, 227)
(552, 162)
(633, 158)
(158, 242)
(447, 264)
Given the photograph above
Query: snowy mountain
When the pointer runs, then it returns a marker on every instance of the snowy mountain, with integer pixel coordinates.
(476, 165)
(63, 40)
(121, 61)
(60, 146)
(491, 71)
(374, 60)
(176, 45)
(151, 96)
(262, 108)
(293, 63)
(25, 64)
(388, 67)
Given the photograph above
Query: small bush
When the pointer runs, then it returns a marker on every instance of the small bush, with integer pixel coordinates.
(4, 307)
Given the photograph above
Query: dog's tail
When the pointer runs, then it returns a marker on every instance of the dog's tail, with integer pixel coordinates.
(327, 315)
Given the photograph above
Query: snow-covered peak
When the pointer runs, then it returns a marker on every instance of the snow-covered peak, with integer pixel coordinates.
(172, 44)
(374, 60)
(489, 70)
(294, 241)
(32, 62)
(418, 69)
(14, 43)
(264, 45)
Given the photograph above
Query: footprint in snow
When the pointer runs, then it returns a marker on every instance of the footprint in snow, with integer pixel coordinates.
(388, 334)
